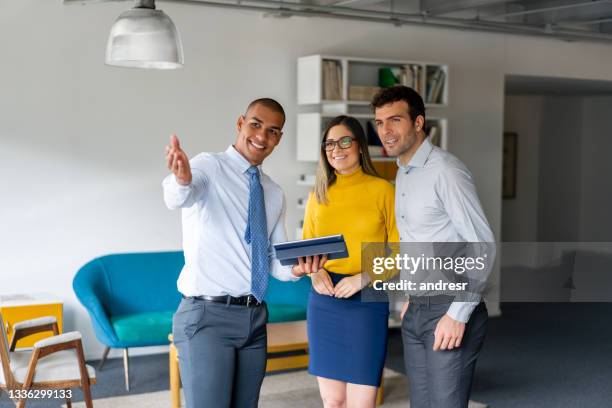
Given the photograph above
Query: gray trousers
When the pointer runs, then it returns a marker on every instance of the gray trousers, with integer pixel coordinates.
(222, 353)
(443, 378)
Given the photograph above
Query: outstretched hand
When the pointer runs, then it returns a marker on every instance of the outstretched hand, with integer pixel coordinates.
(178, 162)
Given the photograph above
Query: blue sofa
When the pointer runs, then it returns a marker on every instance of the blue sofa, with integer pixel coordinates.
(131, 298)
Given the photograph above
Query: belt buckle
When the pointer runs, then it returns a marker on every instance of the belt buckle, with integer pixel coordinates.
(248, 303)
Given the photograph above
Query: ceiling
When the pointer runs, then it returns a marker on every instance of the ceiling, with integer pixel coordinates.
(567, 20)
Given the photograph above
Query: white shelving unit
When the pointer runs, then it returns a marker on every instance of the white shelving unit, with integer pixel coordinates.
(317, 80)
(331, 85)
(320, 76)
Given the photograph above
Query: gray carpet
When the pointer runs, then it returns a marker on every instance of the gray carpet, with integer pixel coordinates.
(536, 355)
(289, 390)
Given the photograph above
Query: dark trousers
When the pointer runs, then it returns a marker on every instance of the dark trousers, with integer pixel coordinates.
(222, 353)
(443, 378)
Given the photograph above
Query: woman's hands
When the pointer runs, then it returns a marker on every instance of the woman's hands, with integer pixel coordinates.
(350, 285)
(347, 287)
(322, 283)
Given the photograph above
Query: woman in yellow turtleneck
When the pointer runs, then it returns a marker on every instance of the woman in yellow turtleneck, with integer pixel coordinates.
(347, 336)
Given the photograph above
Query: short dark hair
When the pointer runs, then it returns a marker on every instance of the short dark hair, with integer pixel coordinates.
(396, 93)
(268, 103)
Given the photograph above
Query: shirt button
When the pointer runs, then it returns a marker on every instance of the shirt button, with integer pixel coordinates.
(403, 217)
(403, 195)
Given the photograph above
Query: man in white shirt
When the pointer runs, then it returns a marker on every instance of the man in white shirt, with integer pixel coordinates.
(435, 202)
(232, 213)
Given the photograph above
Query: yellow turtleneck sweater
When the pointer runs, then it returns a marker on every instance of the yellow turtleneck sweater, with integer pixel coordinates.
(361, 207)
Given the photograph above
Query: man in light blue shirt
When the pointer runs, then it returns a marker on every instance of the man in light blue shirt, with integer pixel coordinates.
(435, 202)
(232, 214)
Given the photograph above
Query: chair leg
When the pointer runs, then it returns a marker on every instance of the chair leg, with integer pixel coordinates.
(85, 380)
(86, 394)
(68, 402)
(126, 369)
(104, 355)
(175, 378)
(29, 378)
(380, 396)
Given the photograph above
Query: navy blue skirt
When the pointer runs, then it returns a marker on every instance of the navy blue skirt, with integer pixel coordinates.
(347, 337)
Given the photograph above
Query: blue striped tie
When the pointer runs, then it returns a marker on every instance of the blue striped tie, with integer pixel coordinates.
(257, 236)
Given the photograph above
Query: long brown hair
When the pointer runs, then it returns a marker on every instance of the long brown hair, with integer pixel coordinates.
(325, 172)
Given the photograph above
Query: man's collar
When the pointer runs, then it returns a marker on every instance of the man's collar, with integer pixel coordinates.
(239, 160)
(420, 157)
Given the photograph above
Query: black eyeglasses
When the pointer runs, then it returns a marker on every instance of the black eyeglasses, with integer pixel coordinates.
(344, 143)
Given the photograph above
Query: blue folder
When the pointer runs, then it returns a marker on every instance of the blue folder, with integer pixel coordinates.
(333, 245)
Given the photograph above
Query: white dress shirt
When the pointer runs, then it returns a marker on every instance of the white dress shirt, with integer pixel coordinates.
(214, 217)
(436, 201)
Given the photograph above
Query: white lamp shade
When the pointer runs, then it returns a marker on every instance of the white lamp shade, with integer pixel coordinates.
(144, 38)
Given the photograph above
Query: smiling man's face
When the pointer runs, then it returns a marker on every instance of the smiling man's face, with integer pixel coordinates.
(399, 134)
(259, 131)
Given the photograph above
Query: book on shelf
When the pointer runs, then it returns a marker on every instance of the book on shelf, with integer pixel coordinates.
(362, 93)
(435, 85)
(332, 80)
(413, 77)
(410, 75)
(438, 94)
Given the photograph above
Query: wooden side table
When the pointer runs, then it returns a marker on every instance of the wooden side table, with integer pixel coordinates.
(289, 337)
(283, 338)
(18, 307)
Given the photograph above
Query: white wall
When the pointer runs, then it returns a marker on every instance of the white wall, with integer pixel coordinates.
(563, 197)
(596, 191)
(560, 166)
(523, 116)
(563, 148)
(82, 143)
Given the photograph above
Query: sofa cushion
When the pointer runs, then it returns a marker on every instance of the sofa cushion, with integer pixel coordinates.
(144, 329)
(285, 313)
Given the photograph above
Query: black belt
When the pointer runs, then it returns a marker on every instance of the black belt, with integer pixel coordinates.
(248, 300)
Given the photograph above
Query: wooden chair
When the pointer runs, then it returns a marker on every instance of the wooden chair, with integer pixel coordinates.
(55, 362)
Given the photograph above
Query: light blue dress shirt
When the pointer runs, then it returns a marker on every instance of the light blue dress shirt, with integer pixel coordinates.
(214, 218)
(436, 201)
